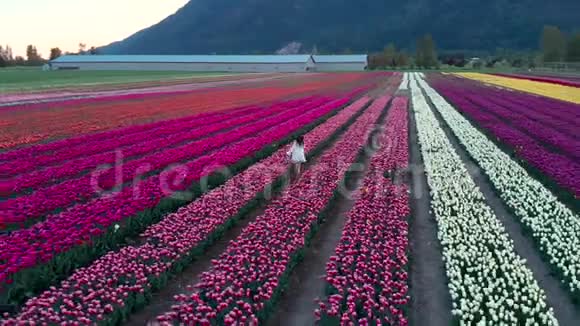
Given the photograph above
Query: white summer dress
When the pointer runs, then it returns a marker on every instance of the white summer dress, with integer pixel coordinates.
(296, 153)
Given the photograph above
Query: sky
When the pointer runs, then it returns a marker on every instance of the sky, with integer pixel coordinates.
(66, 23)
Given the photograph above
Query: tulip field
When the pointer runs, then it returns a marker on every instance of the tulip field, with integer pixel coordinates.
(552, 88)
(172, 201)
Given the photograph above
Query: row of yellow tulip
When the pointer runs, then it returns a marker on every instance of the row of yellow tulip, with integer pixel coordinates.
(565, 93)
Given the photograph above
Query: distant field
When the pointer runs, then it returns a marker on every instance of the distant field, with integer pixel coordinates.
(31, 79)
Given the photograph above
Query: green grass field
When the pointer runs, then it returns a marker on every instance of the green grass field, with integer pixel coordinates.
(33, 78)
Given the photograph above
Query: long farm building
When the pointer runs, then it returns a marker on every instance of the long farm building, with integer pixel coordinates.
(212, 63)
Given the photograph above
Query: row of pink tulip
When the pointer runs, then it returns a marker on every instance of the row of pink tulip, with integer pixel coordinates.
(36, 157)
(555, 107)
(39, 156)
(89, 295)
(532, 107)
(27, 248)
(366, 277)
(44, 100)
(246, 278)
(171, 136)
(94, 94)
(535, 125)
(37, 173)
(69, 148)
(73, 191)
(61, 146)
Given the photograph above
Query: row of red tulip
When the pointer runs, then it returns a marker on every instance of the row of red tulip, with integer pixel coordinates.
(248, 276)
(51, 121)
(366, 277)
(33, 158)
(55, 122)
(89, 295)
(114, 151)
(76, 95)
(74, 191)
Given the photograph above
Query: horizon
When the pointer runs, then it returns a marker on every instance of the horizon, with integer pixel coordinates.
(47, 24)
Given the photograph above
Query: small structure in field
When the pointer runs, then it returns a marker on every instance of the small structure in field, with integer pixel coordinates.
(213, 63)
(474, 63)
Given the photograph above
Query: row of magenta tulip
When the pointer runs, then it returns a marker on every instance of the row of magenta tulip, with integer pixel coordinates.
(563, 170)
(90, 156)
(40, 156)
(533, 107)
(42, 201)
(123, 149)
(61, 151)
(559, 133)
(548, 105)
(170, 244)
(557, 114)
(95, 116)
(54, 247)
(367, 276)
(243, 284)
(534, 125)
(53, 122)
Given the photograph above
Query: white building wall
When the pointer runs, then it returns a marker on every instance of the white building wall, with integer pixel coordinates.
(170, 66)
(340, 66)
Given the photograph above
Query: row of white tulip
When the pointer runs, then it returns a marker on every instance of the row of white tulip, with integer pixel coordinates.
(553, 226)
(405, 83)
(489, 283)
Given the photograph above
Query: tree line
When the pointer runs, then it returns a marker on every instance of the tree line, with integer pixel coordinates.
(557, 47)
(554, 46)
(34, 58)
(425, 56)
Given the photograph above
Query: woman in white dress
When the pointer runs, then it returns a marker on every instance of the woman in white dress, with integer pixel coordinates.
(296, 155)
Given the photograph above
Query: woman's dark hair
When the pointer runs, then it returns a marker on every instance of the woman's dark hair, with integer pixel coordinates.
(300, 140)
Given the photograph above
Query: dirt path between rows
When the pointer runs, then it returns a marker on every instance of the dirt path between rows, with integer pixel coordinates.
(297, 305)
(430, 299)
(163, 300)
(557, 297)
(306, 284)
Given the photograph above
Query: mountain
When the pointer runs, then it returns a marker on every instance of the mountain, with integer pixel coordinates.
(264, 26)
